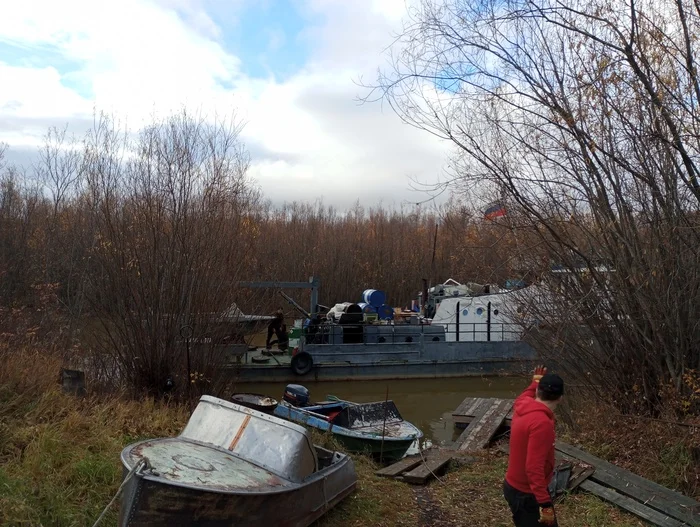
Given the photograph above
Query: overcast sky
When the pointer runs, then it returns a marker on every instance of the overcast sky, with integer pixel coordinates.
(289, 68)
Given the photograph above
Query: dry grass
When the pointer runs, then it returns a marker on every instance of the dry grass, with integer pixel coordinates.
(59, 455)
(666, 453)
(376, 501)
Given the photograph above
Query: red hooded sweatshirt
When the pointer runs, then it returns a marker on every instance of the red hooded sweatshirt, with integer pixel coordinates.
(531, 459)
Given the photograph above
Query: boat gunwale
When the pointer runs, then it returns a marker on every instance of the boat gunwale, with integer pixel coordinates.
(354, 432)
(289, 485)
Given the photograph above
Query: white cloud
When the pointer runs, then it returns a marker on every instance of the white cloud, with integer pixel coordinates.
(310, 136)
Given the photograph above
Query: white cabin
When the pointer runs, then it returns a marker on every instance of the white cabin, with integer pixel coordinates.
(480, 318)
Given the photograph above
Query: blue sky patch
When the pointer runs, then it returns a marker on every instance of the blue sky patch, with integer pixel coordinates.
(450, 78)
(268, 39)
(40, 57)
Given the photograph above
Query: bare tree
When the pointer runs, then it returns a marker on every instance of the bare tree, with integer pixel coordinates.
(168, 210)
(583, 119)
(58, 171)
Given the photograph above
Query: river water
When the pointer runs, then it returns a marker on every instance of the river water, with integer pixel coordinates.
(427, 403)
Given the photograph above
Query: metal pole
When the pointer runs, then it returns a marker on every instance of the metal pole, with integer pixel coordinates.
(386, 409)
(186, 333)
(488, 323)
(432, 263)
(314, 294)
(295, 304)
(457, 332)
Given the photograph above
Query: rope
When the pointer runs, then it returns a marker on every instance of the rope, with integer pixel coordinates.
(420, 451)
(137, 466)
(325, 497)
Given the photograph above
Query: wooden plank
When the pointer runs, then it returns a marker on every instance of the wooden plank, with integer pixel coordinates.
(601, 464)
(631, 505)
(466, 419)
(424, 471)
(404, 465)
(463, 405)
(578, 476)
(486, 423)
(464, 414)
(653, 495)
(469, 406)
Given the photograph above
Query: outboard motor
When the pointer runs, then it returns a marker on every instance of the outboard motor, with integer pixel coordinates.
(296, 395)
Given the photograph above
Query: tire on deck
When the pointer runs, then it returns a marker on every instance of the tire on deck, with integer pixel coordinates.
(302, 363)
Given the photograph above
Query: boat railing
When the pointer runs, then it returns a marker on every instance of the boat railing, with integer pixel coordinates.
(483, 331)
(412, 333)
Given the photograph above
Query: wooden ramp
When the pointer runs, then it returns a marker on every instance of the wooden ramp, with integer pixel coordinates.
(646, 499)
(418, 470)
(489, 416)
(425, 471)
(398, 468)
(468, 409)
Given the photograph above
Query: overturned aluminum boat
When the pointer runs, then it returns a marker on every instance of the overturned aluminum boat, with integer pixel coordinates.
(232, 466)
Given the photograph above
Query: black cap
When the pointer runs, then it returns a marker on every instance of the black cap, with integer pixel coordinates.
(552, 384)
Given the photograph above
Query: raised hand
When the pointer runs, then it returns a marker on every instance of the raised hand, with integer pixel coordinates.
(539, 373)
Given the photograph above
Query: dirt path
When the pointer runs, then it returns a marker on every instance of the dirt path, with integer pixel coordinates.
(431, 512)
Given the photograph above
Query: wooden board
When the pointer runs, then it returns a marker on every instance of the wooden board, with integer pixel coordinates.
(468, 406)
(631, 505)
(425, 471)
(404, 465)
(464, 414)
(578, 475)
(486, 423)
(655, 496)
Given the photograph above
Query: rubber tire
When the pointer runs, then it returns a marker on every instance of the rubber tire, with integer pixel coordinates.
(302, 363)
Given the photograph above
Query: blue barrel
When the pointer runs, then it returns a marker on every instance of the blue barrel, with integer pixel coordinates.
(374, 297)
(366, 308)
(385, 312)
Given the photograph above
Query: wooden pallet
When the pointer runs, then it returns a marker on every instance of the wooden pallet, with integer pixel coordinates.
(469, 407)
(417, 470)
(646, 499)
(489, 417)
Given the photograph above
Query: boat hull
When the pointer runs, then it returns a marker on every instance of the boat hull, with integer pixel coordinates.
(355, 441)
(388, 452)
(149, 501)
(383, 370)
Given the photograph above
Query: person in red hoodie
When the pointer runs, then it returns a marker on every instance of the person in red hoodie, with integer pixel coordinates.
(531, 459)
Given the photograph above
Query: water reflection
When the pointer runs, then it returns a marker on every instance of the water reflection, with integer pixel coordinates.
(427, 403)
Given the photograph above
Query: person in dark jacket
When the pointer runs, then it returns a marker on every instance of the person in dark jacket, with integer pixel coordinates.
(278, 328)
(531, 458)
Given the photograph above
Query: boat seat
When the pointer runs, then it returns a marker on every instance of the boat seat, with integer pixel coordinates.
(332, 415)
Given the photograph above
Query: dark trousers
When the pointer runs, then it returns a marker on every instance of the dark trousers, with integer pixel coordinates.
(526, 511)
(282, 338)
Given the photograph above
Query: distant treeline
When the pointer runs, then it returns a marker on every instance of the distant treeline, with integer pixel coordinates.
(373, 247)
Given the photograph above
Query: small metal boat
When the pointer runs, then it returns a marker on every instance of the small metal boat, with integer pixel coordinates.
(374, 428)
(261, 403)
(232, 466)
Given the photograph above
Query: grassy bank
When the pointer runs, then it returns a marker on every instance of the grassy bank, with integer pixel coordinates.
(59, 464)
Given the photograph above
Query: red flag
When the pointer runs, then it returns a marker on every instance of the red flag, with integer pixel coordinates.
(495, 210)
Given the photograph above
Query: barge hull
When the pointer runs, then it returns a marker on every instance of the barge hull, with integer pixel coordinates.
(384, 370)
